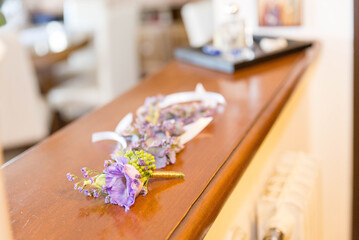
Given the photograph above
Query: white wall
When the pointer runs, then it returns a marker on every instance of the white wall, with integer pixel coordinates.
(331, 22)
(330, 92)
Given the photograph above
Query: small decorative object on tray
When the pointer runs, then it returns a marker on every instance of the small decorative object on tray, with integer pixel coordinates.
(263, 48)
(233, 38)
(162, 126)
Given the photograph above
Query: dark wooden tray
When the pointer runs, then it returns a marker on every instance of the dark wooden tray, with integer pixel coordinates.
(219, 63)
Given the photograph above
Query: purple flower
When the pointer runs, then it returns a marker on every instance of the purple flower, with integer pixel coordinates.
(122, 183)
(120, 159)
(160, 155)
(96, 194)
(70, 177)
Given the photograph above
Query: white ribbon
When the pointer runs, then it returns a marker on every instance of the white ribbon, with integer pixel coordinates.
(124, 123)
(101, 136)
(200, 94)
(191, 130)
(117, 134)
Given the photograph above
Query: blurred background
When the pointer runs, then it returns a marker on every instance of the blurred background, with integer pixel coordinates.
(69, 57)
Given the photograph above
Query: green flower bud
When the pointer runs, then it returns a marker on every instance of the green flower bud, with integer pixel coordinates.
(100, 180)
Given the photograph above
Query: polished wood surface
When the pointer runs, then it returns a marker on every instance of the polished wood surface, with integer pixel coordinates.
(43, 204)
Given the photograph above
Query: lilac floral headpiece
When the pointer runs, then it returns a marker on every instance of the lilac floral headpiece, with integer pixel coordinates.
(164, 124)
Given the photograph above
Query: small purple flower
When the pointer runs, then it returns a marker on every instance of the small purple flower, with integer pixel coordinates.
(135, 141)
(160, 156)
(70, 177)
(122, 184)
(92, 180)
(96, 194)
(119, 159)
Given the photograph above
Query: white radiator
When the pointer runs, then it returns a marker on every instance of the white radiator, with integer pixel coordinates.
(289, 207)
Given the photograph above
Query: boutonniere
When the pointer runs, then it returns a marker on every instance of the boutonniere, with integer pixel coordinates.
(123, 179)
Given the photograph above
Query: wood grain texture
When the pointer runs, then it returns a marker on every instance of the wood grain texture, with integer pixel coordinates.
(43, 204)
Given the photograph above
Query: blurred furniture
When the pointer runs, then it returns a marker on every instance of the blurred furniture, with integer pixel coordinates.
(163, 3)
(15, 14)
(24, 116)
(49, 10)
(161, 32)
(198, 20)
(51, 58)
(56, 67)
(51, 48)
(114, 31)
(176, 209)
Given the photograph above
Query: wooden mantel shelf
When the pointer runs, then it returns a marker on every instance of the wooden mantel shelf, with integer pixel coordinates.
(43, 204)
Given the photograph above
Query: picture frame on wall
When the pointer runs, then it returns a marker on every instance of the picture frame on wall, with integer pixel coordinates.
(279, 12)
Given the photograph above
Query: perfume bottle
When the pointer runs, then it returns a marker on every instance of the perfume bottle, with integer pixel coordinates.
(232, 37)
